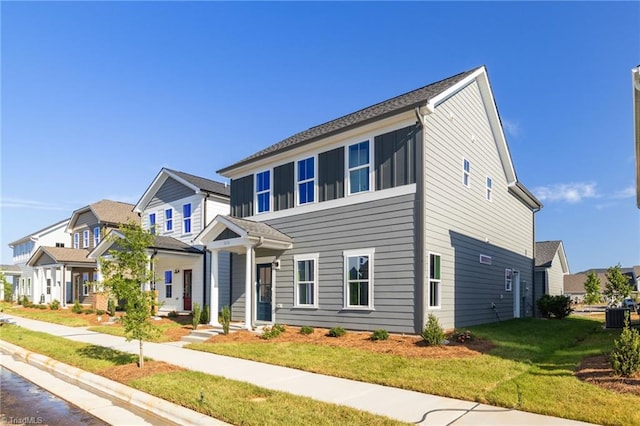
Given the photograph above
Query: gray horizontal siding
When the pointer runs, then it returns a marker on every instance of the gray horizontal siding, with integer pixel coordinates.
(171, 190)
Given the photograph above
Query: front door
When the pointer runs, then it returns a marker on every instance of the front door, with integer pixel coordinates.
(186, 292)
(264, 292)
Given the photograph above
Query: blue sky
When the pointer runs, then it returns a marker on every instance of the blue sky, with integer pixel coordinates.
(98, 96)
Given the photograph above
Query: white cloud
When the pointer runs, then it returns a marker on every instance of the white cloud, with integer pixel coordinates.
(628, 192)
(511, 127)
(567, 192)
(30, 204)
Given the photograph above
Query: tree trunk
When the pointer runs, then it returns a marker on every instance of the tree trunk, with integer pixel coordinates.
(141, 359)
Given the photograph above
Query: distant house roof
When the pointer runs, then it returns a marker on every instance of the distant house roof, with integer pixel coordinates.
(35, 235)
(405, 102)
(60, 255)
(196, 183)
(574, 283)
(546, 252)
(107, 212)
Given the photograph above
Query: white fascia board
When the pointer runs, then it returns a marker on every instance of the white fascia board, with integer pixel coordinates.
(215, 228)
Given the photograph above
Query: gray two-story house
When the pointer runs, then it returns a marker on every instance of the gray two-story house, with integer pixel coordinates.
(377, 219)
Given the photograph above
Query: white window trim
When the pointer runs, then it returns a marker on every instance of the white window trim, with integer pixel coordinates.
(85, 286)
(349, 170)
(429, 280)
(184, 219)
(466, 175)
(269, 191)
(508, 279)
(85, 238)
(296, 259)
(489, 189)
(314, 180)
(345, 273)
(166, 220)
(76, 240)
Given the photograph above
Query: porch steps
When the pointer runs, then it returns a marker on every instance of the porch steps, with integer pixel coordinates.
(204, 334)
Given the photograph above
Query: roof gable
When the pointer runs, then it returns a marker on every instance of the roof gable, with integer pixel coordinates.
(546, 252)
(195, 183)
(58, 255)
(36, 235)
(106, 212)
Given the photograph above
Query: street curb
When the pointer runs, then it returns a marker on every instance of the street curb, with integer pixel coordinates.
(160, 407)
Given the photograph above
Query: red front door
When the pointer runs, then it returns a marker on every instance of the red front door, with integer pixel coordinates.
(186, 292)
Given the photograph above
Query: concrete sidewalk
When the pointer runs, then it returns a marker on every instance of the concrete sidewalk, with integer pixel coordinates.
(408, 406)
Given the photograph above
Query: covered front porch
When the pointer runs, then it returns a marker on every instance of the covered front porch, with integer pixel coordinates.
(255, 250)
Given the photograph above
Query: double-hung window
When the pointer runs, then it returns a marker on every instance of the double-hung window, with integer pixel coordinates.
(168, 220)
(306, 181)
(152, 223)
(508, 279)
(466, 172)
(263, 191)
(186, 218)
(48, 285)
(85, 238)
(489, 188)
(359, 166)
(96, 236)
(168, 284)
(76, 240)
(85, 283)
(358, 271)
(306, 280)
(434, 281)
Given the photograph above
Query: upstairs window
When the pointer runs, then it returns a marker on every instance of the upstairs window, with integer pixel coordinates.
(466, 172)
(85, 238)
(359, 167)
(96, 236)
(168, 220)
(76, 240)
(434, 280)
(306, 181)
(263, 191)
(59, 244)
(186, 218)
(489, 188)
(152, 223)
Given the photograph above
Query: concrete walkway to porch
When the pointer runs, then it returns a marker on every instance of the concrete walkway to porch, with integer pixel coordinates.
(396, 403)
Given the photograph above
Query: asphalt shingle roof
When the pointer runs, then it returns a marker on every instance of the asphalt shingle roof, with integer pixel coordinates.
(259, 229)
(108, 211)
(67, 254)
(206, 185)
(169, 243)
(545, 252)
(392, 106)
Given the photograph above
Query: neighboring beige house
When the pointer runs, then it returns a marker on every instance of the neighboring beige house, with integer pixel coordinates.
(551, 267)
(574, 283)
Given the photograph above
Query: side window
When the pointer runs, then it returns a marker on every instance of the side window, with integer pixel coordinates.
(434, 281)
(466, 172)
(359, 167)
(85, 238)
(358, 271)
(152, 223)
(508, 279)
(168, 220)
(306, 280)
(96, 236)
(306, 181)
(76, 240)
(489, 188)
(168, 284)
(186, 218)
(263, 191)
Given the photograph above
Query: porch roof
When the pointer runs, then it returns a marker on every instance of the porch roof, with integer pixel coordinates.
(61, 255)
(241, 233)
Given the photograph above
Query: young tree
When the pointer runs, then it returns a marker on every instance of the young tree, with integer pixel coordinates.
(125, 271)
(618, 286)
(592, 289)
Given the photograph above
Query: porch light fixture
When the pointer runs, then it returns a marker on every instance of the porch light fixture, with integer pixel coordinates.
(176, 271)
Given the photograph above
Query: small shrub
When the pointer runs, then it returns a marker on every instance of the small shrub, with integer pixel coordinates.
(625, 357)
(306, 330)
(55, 305)
(433, 334)
(225, 319)
(88, 311)
(205, 317)
(196, 313)
(172, 314)
(25, 302)
(77, 308)
(558, 307)
(337, 332)
(99, 312)
(462, 336)
(111, 307)
(42, 306)
(380, 335)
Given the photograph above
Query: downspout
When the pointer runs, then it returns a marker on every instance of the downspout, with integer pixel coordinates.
(63, 290)
(421, 268)
(250, 290)
(204, 278)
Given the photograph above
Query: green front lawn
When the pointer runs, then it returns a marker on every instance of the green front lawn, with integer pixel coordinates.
(531, 367)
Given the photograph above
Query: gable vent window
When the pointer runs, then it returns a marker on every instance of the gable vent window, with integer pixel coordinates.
(263, 191)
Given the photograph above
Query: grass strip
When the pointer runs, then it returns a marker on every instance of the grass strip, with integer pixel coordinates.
(228, 400)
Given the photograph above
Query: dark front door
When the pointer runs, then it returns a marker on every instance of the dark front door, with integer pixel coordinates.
(186, 292)
(264, 292)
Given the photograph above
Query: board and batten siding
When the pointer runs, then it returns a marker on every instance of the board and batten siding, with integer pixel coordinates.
(170, 191)
(386, 225)
(461, 224)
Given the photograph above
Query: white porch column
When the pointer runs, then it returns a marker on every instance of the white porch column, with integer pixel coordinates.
(248, 288)
(147, 285)
(213, 309)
